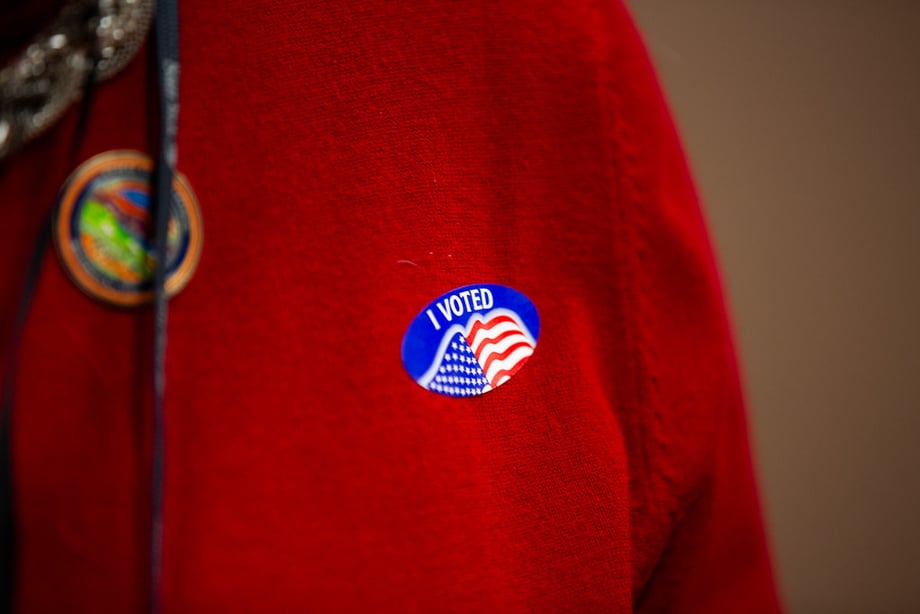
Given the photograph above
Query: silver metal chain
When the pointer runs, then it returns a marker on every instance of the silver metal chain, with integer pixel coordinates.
(39, 85)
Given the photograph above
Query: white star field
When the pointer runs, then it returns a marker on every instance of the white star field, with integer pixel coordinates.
(459, 374)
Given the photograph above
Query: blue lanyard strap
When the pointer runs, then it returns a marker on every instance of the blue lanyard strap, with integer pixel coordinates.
(167, 38)
(167, 35)
(8, 541)
(8, 551)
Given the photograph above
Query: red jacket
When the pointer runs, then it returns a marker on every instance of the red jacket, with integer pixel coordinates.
(353, 162)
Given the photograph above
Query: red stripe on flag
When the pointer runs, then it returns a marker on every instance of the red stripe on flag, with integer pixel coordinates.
(482, 325)
(504, 355)
(509, 372)
(488, 342)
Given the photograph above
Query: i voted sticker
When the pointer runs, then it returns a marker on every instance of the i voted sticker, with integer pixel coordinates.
(471, 340)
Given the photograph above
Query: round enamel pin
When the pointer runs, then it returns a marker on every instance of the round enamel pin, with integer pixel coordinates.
(471, 340)
(101, 229)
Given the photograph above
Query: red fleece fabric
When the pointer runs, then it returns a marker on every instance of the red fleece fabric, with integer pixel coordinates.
(353, 162)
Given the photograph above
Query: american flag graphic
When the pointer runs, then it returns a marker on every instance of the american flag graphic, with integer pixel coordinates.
(458, 373)
(480, 356)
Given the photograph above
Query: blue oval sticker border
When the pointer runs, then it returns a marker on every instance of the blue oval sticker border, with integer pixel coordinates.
(471, 340)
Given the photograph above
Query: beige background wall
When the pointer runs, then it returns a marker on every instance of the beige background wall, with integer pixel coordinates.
(802, 121)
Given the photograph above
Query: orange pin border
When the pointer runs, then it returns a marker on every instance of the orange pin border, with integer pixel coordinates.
(77, 181)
